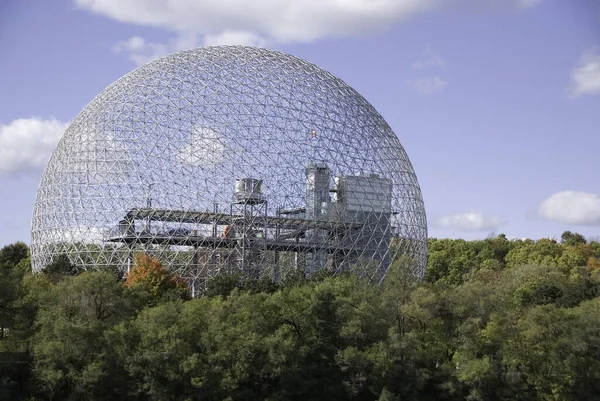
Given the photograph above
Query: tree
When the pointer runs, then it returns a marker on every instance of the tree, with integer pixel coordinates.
(479, 329)
(73, 359)
(148, 274)
(545, 252)
(569, 238)
(33, 288)
(8, 297)
(60, 268)
(557, 351)
(12, 254)
(223, 284)
(450, 260)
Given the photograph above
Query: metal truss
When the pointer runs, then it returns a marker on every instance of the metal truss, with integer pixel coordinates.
(230, 158)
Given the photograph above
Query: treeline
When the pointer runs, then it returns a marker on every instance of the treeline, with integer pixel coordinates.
(453, 261)
(494, 320)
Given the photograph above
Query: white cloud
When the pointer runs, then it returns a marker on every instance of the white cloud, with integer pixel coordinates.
(515, 238)
(585, 77)
(429, 85)
(431, 58)
(571, 207)
(141, 51)
(267, 21)
(82, 234)
(229, 37)
(204, 148)
(469, 221)
(134, 43)
(26, 144)
(102, 156)
(285, 21)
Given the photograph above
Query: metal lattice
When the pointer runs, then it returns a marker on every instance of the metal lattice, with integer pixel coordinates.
(230, 158)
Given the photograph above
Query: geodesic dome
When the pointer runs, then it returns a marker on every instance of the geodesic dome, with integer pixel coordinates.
(230, 158)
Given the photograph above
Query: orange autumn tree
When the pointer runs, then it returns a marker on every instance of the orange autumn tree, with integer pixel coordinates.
(151, 274)
(593, 263)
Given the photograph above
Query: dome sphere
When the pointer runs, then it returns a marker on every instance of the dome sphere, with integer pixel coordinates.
(230, 157)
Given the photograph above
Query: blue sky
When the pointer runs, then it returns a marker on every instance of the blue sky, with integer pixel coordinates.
(497, 102)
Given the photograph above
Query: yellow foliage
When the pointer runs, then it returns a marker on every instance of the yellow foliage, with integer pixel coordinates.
(150, 272)
(593, 263)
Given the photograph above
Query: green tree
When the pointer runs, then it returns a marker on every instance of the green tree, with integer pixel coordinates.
(60, 268)
(12, 254)
(546, 252)
(223, 284)
(10, 257)
(8, 297)
(569, 238)
(73, 359)
(450, 260)
(557, 352)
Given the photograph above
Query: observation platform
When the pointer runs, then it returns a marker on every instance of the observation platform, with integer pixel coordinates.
(220, 242)
(278, 242)
(192, 217)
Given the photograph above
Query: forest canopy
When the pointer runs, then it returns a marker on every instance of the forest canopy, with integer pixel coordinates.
(494, 319)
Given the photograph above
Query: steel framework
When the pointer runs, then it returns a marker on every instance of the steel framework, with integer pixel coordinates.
(230, 157)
